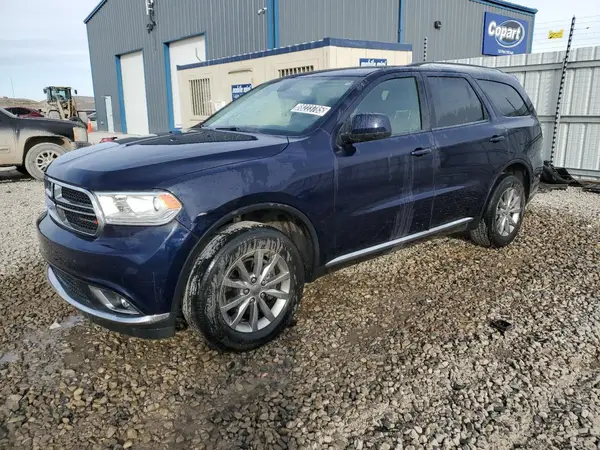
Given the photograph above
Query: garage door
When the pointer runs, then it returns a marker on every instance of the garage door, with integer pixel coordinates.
(185, 51)
(134, 93)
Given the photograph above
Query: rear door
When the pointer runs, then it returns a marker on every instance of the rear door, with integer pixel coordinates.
(384, 187)
(470, 146)
(518, 116)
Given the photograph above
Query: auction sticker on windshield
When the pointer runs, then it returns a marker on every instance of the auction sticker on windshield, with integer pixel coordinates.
(315, 110)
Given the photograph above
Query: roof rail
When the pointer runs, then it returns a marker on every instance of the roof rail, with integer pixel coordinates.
(456, 64)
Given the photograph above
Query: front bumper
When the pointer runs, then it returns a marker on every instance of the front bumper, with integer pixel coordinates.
(154, 326)
(140, 265)
(77, 145)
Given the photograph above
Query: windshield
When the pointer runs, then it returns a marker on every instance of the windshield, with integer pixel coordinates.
(289, 106)
(60, 94)
(9, 114)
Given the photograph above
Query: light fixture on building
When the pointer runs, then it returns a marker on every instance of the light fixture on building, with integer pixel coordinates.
(150, 13)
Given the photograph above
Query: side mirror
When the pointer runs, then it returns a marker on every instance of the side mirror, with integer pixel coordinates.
(45, 91)
(367, 127)
(75, 91)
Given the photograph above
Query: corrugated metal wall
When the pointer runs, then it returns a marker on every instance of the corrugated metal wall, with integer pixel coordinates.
(231, 27)
(461, 35)
(578, 146)
(311, 20)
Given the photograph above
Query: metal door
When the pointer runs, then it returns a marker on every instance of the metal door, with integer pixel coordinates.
(109, 114)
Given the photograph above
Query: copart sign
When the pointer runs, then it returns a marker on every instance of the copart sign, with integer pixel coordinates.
(504, 35)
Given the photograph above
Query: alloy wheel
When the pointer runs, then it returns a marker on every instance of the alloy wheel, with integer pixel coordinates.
(508, 212)
(254, 291)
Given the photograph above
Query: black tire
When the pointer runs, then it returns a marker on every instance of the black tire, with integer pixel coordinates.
(487, 234)
(31, 159)
(22, 170)
(204, 290)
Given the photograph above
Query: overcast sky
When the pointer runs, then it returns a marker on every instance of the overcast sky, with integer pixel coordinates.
(44, 42)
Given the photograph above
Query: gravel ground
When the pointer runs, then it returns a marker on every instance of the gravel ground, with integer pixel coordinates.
(394, 353)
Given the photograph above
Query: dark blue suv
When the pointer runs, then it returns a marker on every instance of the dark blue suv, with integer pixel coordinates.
(220, 226)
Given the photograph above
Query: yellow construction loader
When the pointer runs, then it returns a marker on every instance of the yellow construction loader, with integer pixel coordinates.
(60, 104)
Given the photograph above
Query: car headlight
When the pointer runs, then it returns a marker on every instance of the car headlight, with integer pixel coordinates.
(139, 208)
(80, 134)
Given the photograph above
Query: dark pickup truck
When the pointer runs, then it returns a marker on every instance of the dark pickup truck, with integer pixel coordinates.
(31, 144)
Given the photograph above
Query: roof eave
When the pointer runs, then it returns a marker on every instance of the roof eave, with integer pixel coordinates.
(509, 5)
(94, 11)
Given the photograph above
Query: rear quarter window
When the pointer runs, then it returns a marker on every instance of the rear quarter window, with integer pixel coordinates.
(505, 98)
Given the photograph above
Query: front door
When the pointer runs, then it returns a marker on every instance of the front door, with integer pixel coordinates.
(384, 187)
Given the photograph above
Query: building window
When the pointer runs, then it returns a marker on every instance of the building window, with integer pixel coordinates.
(295, 70)
(201, 100)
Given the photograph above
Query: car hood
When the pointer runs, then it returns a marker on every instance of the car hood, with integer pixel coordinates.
(145, 163)
(39, 121)
(56, 126)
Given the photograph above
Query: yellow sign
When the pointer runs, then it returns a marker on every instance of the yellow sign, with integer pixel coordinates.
(556, 34)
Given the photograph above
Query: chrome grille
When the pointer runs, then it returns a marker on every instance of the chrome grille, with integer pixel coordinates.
(81, 222)
(75, 196)
(71, 207)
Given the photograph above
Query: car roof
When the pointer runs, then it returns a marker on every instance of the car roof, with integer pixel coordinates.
(475, 71)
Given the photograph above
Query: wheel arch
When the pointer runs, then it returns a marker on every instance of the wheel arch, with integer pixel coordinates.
(230, 217)
(513, 166)
(251, 211)
(32, 141)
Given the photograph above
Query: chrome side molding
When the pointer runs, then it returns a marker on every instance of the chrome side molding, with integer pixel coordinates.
(395, 242)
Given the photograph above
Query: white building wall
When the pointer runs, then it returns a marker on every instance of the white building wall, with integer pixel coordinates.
(259, 70)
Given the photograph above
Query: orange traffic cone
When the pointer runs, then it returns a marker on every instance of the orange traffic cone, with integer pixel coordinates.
(90, 126)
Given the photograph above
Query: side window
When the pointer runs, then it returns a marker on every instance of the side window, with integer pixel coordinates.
(454, 101)
(397, 98)
(506, 98)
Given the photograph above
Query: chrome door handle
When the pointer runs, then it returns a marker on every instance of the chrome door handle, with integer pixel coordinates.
(495, 139)
(420, 151)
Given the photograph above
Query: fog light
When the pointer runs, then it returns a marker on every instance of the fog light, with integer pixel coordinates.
(113, 301)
